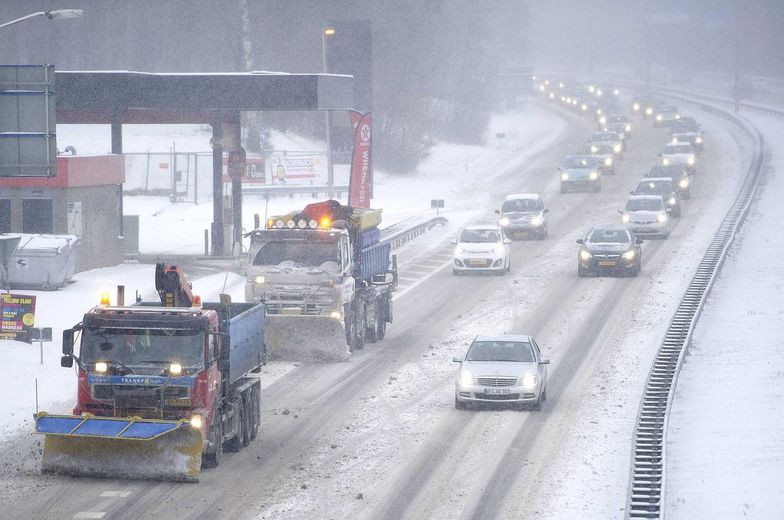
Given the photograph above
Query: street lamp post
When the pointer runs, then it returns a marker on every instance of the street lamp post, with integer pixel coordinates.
(328, 31)
(57, 14)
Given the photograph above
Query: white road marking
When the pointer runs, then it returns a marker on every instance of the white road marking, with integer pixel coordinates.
(114, 494)
(89, 514)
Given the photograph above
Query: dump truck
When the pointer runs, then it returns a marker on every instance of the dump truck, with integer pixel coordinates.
(163, 387)
(326, 279)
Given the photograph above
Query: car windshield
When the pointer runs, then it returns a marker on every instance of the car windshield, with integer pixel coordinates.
(667, 171)
(655, 187)
(513, 351)
(599, 148)
(684, 126)
(579, 162)
(605, 136)
(645, 204)
(300, 253)
(143, 347)
(678, 148)
(513, 205)
(478, 236)
(669, 109)
(608, 236)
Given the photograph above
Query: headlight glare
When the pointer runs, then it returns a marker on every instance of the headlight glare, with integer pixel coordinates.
(260, 279)
(175, 369)
(628, 255)
(594, 176)
(684, 183)
(691, 161)
(529, 380)
(672, 201)
(617, 148)
(101, 367)
(536, 221)
(196, 421)
(564, 176)
(666, 162)
(504, 221)
(608, 161)
(698, 140)
(585, 255)
(465, 378)
(662, 218)
(625, 218)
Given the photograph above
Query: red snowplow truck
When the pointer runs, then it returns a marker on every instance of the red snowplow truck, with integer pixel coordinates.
(163, 387)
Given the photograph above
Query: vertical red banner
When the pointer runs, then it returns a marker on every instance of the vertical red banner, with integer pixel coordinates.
(361, 172)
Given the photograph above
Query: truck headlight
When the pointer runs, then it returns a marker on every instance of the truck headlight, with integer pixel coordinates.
(628, 255)
(336, 315)
(529, 380)
(662, 218)
(608, 161)
(175, 369)
(585, 255)
(564, 176)
(594, 176)
(625, 218)
(101, 367)
(690, 161)
(465, 378)
(196, 421)
(260, 279)
(504, 221)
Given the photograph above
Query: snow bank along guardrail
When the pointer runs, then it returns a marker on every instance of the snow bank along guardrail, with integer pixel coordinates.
(408, 229)
(331, 190)
(645, 498)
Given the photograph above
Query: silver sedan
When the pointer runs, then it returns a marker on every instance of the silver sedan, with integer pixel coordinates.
(502, 369)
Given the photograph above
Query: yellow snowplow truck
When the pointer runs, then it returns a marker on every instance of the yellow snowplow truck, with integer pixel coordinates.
(326, 277)
(162, 387)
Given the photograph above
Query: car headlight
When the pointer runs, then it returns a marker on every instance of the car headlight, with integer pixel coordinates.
(636, 107)
(585, 255)
(672, 201)
(628, 128)
(608, 161)
(260, 279)
(459, 251)
(698, 140)
(564, 176)
(616, 92)
(541, 87)
(649, 111)
(603, 120)
(666, 162)
(628, 255)
(498, 249)
(536, 221)
(465, 378)
(662, 218)
(659, 117)
(625, 218)
(584, 107)
(504, 221)
(594, 176)
(690, 160)
(677, 116)
(617, 148)
(336, 315)
(529, 380)
(196, 421)
(552, 95)
(684, 183)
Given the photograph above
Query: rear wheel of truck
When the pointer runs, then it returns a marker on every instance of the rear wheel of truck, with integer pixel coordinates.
(235, 443)
(255, 404)
(357, 341)
(381, 328)
(247, 417)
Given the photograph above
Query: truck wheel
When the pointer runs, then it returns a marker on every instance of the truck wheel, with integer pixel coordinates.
(212, 460)
(381, 328)
(247, 417)
(255, 404)
(371, 332)
(355, 329)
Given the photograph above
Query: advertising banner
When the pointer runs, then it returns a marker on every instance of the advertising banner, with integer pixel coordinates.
(18, 316)
(359, 190)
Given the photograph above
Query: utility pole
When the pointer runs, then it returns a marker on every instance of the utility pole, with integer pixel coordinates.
(736, 89)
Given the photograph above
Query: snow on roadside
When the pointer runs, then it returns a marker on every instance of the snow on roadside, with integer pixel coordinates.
(725, 443)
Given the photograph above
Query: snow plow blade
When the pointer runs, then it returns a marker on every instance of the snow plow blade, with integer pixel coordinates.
(305, 338)
(120, 447)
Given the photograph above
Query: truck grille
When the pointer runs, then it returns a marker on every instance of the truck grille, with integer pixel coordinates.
(496, 381)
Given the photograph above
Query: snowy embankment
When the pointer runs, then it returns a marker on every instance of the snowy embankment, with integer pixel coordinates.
(725, 443)
(177, 228)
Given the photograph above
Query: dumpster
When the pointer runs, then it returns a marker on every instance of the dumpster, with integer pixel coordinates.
(43, 261)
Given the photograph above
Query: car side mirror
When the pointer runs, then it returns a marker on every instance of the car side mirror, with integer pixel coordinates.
(544, 361)
(620, 211)
(560, 169)
(457, 360)
(545, 210)
(631, 192)
(453, 241)
(498, 212)
(579, 240)
(669, 209)
(638, 241)
(659, 154)
(507, 241)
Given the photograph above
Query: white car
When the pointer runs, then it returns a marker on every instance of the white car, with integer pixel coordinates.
(482, 248)
(680, 153)
(506, 368)
(667, 115)
(646, 215)
(609, 137)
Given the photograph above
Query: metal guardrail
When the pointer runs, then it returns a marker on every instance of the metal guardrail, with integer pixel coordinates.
(408, 229)
(647, 483)
(282, 189)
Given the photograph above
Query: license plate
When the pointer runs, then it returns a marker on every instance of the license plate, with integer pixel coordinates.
(497, 391)
(476, 262)
(606, 263)
(521, 234)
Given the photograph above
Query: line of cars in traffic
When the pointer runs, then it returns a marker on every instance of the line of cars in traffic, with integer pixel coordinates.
(511, 369)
